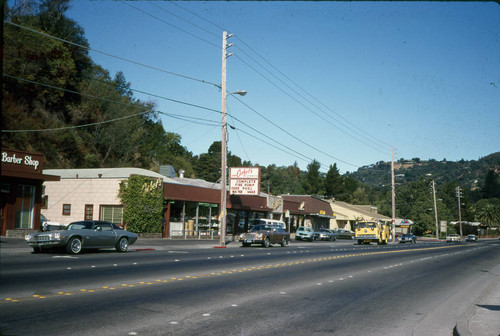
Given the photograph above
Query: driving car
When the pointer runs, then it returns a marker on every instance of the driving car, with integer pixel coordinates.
(77, 236)
(471, 238)
(345, 234)
(453, 238)
(265, 235)
(325, 234)
(304, 233)
(408, 238)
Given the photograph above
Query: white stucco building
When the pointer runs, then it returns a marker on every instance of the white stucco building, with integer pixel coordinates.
(84, 194)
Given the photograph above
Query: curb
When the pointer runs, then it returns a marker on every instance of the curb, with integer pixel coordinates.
(462, 326)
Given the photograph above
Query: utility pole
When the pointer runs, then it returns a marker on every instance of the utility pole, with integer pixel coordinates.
(435, 208)
(393, 196)
(223, 169)
(459, 196)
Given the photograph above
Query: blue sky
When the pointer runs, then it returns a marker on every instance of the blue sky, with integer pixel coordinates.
(339, 82)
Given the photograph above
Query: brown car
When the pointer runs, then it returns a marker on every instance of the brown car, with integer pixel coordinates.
(265, 235)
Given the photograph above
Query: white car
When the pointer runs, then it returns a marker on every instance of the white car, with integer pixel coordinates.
(48, 225)
(304, 233)
(453, 238)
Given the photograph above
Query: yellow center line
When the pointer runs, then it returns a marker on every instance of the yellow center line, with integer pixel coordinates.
(197, 276)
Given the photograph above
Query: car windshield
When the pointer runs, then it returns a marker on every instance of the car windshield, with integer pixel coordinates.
(324, 230)
(366, 225)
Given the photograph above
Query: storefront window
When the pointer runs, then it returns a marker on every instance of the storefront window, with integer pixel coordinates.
(25, 203)
(207, 216)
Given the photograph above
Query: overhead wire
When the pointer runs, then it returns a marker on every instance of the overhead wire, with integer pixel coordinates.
(171, 25)
(114, 56)
(267, 119)
(201, 121)
(197, 120)
(239, 138)
(161, 70)
(385, 145)
(353, 129)
(293, 136)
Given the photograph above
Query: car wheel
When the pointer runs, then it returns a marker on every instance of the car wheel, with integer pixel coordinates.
(245, 244)
(37, 250)
(284, 242)
(266, 243)
(74, 245)
(122, 245)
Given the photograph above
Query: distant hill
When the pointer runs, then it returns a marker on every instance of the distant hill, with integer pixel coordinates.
(467, 173)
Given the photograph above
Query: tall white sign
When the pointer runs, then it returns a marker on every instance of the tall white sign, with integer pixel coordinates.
(244, 181)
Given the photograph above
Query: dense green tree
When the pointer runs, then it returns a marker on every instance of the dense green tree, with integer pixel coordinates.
(333, 182)
(313, 182)
(491, 186)
(283, 180)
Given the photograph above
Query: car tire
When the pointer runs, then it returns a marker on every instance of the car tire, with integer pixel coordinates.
(74, 245)
(122, 245)
(37, 250)
(266, 242)
(245, 244)
(284, 242)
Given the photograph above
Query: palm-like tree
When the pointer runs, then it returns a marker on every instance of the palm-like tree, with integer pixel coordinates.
(489, 215)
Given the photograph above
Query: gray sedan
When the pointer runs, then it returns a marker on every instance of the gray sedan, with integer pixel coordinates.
(83, 235)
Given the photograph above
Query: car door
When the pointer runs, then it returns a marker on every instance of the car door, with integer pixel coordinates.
(104, 235)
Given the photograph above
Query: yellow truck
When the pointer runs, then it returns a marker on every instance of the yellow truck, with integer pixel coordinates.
(371, 231)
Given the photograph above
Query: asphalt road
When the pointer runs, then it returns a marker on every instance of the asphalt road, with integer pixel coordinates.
(320, 288)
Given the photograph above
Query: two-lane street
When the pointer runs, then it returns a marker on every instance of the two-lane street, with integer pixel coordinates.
(320, 288)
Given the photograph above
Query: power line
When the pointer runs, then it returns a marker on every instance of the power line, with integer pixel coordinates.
(355, 130)
(200, 121)
(293, 136)
(114, 56)
(274, 124)
(88, 48)
(183, 19)
(306, 107)
(310, 95)
(168, 23)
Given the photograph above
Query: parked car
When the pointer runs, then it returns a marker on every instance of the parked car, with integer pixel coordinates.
(471, 238)
(325, 234)
(344, 234)
(48, 225)
(265, 235)
(408, 238)
(304, 233)
(91, 234)
(453, 238)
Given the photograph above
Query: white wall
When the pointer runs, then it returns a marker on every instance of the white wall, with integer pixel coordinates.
(78, 193)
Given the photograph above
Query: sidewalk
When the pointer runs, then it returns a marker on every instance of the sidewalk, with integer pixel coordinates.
(483, 317)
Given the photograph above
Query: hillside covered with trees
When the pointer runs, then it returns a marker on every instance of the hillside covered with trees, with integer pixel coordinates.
(59, 102)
